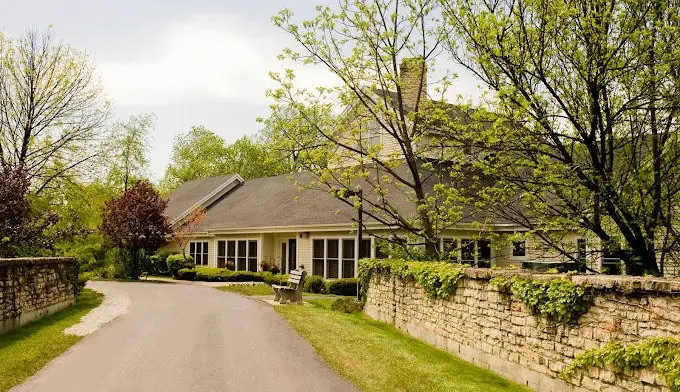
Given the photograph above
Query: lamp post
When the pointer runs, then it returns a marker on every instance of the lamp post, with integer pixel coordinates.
(360, 230)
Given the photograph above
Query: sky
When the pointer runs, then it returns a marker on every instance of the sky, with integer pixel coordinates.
(198, 62)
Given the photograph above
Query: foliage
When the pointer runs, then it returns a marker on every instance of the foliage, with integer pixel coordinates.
(158, 262)
(135, 221)
(315, 284)
(127, 150)
(248, 289)
(187, 274)
(184, 230)
(438, 279)
(381, 51)
(51, 109)
(661, 353)
(347, 305)
(585, 131)
(272, 267)
(208, 274)
(201, 153)
(346, 286)
(178, 261)
(20, 227)
(559, 299)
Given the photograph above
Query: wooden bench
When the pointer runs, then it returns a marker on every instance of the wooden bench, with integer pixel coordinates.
(293, 291)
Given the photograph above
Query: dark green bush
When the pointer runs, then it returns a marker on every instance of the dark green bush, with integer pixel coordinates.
(347, 305)
(347, 286)
(315, 284)
(177, 262)
(271, 278)
(186, 274)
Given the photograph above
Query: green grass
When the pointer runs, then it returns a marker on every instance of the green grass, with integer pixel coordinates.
(26, 350)
(378, 357)
(258, 289)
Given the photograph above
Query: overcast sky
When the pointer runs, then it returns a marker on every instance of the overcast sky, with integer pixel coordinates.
(189, 62)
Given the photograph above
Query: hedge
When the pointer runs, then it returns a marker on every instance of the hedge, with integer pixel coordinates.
(207, 274)
(346, 286)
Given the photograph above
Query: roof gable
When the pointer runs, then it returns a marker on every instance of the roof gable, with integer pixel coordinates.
(201, 193)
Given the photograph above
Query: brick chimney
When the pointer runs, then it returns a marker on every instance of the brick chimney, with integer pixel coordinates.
(413, 78)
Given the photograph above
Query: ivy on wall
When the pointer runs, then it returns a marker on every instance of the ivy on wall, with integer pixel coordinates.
(558, 300)
(439, 279)
(661, 353)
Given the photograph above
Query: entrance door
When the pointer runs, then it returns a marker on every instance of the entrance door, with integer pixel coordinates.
(292, 254)
(284, 258)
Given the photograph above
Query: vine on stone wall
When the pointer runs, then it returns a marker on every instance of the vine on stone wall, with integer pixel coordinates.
(661, 353)
(558, 300)
(439, 279)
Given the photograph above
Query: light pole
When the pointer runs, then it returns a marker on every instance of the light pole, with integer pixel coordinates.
(360, 232)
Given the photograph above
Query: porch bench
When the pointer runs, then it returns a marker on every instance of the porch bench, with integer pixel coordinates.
(293, 291)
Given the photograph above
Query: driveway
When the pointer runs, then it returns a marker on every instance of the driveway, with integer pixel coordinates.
(188, 338)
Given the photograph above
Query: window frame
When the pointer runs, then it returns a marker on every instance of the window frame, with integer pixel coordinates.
(341, 241)
(236, 256)
(205, 252)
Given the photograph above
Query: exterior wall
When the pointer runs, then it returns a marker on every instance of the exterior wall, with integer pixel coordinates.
(487, 327)
(33, 288)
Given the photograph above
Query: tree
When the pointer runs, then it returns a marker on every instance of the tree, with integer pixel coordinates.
(127, 151)
(184, 230)
(51, 108)
(591, 93)
(201, 153)
(135, 222)
(20, 227)
(381, 51)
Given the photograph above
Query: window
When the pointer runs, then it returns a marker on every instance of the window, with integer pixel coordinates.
(449, 249)
(483, 253)
(519, 248)
(348, 258)
(199, 252)
(467, 251)
(318, 252)
(369, 138)
(334, 257)
(240, 255)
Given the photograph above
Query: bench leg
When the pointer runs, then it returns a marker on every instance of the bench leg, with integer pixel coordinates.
(277, 294)
(298, 297)
(285, 297)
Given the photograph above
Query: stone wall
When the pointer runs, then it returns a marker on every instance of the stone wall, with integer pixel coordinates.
(33, 288)
(482, 325)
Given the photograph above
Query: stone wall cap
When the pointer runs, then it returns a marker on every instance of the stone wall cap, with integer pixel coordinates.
(624, 284)
(37, 260)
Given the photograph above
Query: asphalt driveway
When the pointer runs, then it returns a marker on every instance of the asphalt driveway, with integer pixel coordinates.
(188, 338)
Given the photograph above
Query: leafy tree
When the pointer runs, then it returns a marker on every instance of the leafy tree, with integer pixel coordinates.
(135, 222)
(51, 109)
(202, 153)
(20, 227)
(586, 97)
(128, 148)
(184, 230)
(381, 51)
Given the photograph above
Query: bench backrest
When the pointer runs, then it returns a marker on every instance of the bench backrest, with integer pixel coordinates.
(296, 278)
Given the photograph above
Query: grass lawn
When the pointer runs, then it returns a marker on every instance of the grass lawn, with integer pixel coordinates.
(258, 289)
(378, 357)
(26, 350)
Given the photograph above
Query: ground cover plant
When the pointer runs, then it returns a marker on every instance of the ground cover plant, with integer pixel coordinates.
(378, 357)
(27, 349)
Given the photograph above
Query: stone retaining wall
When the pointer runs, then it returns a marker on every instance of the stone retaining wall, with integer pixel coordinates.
(32, 288)
(483, 325)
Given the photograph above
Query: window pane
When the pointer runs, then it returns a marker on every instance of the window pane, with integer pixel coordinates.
(483, 253)
(242, 248)
(365, 248)
(318, 249)
(519, 248)
(205, 247)
(252, 249)
(231, 249)
(467, 251)
(332, 272)
(348, 249)
(192, 247)
(332, 251)
(317, 267)
(347, 268)
(221, 249)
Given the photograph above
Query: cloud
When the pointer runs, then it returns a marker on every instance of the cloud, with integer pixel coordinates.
(202, 57)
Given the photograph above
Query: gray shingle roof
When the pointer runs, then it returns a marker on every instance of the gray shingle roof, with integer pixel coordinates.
(191, 192)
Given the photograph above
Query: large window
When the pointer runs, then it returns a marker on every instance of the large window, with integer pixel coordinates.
(240, 255)
(449, 248)
(198, 250)
(334, 257)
